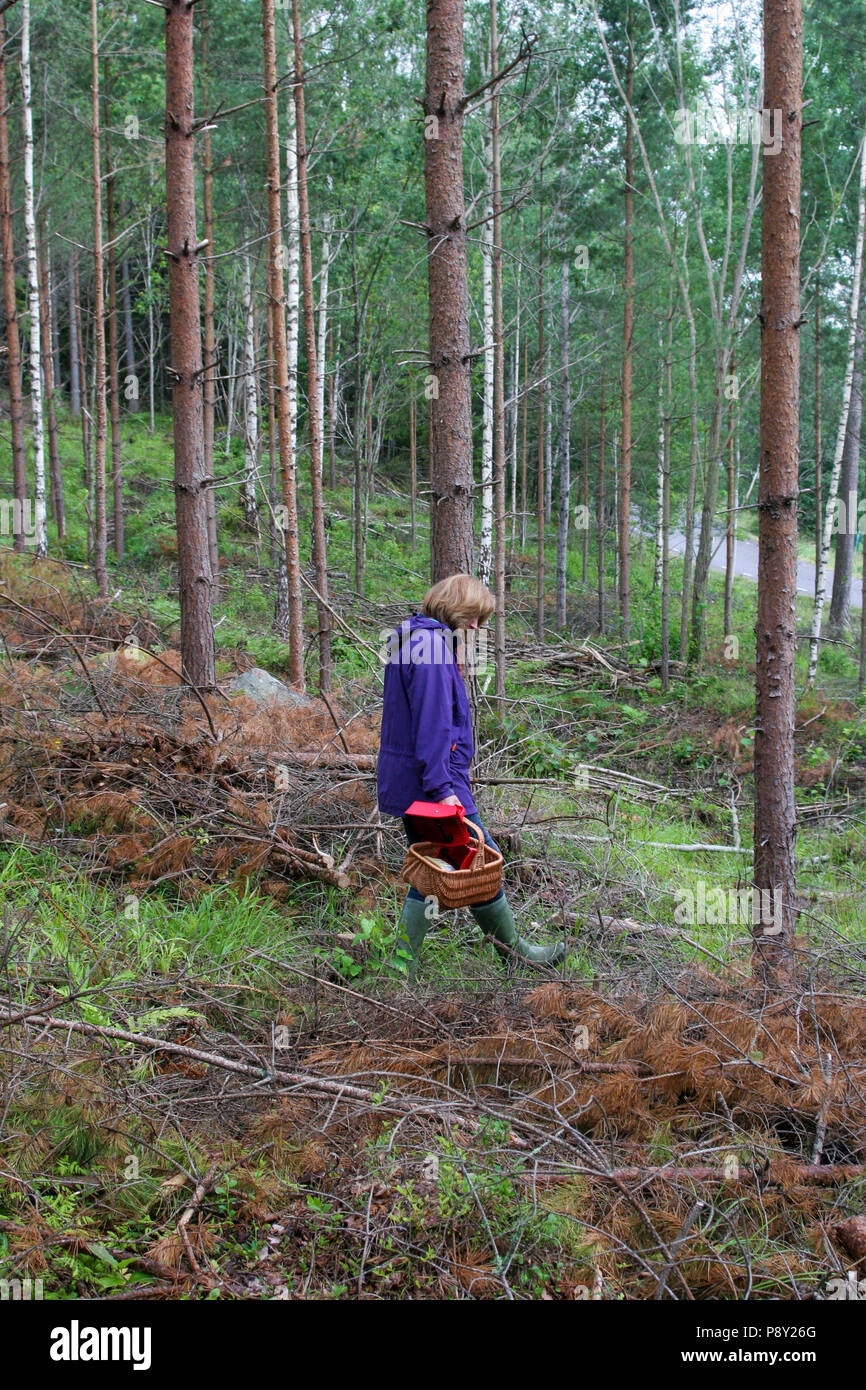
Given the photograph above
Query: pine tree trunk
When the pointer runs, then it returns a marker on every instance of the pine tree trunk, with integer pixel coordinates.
(498, 375)
(731, 516)
(515, 418)
(36, 400)
(833, 485)
(284, 412)
(87, 451)
(624, 492)
(195, 579)
(451, 508)
(599, 505)
(413, 467)
(776, 626)
(209, 321)
(74, 340)
(564, 456)
(548, 442)
(131, 390)
(849, 477)
(357, 428)
(55, 485)
(660, 467)
(585, 501)
(332, 416)
(819, 444)
(54, 321)
(539, 614)
(100, 427)
(251, 403)
(13, 339)
(320, 561)
(113, 363)
(524, 501)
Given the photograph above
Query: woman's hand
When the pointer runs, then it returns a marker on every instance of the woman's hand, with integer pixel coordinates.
(450, 801)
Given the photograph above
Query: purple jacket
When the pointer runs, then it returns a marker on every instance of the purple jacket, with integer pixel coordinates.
(426, 747)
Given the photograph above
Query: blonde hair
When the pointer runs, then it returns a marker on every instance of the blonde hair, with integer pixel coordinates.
(457, 600)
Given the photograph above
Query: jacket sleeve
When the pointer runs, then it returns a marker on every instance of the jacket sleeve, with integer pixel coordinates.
(430, 704)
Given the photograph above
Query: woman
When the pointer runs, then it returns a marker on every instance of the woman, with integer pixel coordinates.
(426, 747)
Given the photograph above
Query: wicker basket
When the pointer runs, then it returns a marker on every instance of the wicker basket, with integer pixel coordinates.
(461, 887)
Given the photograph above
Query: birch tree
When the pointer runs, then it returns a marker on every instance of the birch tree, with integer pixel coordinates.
(40, 537)
(251, 401)
(13, 339)
(284, 412)
(833, 481)
(564, 454)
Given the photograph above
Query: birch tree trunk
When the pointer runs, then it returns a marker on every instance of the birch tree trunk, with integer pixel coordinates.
(100, 426)
(293, 268)
(451, 503)
(564, 455)
(40, 537)
(485, 550)
(498, 373)
(776, 626)
(13, 340)
(849, 477)
(666, 494)
(660, 468)
(251, 403)
(284, 410)
(624, 490)
(191, 484)
(320, 559)
(113, 365)
(833, 483)
(322, 342)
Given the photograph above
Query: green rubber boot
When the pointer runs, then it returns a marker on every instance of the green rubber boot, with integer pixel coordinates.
(497, 920)
(415, 925)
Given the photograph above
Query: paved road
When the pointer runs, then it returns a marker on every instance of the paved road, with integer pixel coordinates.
(746, 566)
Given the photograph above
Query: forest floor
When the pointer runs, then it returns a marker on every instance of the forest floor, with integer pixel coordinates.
(216, 1082)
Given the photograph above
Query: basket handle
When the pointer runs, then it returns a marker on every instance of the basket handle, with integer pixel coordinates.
(482, 846)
